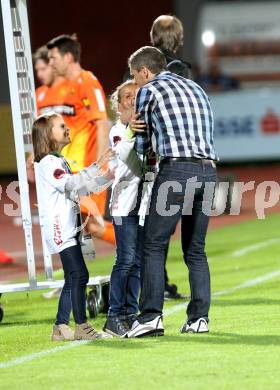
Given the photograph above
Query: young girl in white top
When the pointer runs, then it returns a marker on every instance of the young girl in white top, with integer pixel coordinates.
(59, 194)
(124, 205)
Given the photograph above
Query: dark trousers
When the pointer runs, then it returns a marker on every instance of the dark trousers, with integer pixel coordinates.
(73, 294)
(167, 207)
(125, 276)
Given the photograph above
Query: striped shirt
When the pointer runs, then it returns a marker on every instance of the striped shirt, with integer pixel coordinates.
(178, 113)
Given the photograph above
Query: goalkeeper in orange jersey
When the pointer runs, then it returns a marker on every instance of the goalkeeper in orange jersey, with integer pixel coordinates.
(81, 101)
(49, 94)
(53, 87)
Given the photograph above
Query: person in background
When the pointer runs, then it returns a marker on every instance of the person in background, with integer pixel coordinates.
(52, 86)
(84, 112)
(167, 34)
(60, 191)
(124, 206)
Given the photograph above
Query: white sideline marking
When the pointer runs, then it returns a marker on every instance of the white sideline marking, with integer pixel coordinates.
(36, 355)
(168, 312)
(247, 284)
(246, 249)
(254, 247)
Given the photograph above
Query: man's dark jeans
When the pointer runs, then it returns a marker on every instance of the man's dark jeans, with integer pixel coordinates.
(174, 197)
(73, 294)
(125, 277)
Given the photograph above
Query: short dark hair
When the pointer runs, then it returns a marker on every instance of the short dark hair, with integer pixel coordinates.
(167, 33)
(41, 54)
(149, 57)
(66, 44)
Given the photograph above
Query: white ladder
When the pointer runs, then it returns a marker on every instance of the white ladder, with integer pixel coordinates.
(22, 93)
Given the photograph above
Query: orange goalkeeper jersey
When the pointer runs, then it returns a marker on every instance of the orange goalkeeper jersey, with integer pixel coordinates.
(82, 103)
(86, 97)
(51, 98)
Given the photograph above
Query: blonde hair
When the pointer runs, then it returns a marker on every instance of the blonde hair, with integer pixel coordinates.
(116, 95)
(167, 33)
(41, 54)
(42, 138)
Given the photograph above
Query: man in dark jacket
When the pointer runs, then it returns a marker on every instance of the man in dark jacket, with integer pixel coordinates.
(167, 34)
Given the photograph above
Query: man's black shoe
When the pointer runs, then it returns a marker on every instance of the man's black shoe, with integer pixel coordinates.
(116, 326)
(171, 292)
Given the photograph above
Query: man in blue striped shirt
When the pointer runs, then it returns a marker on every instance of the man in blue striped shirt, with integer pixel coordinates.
(174, 117)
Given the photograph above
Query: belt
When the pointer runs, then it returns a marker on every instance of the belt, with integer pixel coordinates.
(188, 159)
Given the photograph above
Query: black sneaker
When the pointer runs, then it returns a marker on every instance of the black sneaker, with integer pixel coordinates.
(129, 319)
(116, 326)
(171, 292)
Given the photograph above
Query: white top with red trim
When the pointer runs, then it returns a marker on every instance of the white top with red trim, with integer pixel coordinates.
(127, 175)
(58, 198)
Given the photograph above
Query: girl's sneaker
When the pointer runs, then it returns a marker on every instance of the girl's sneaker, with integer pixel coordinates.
(62, 332)
(86, 332)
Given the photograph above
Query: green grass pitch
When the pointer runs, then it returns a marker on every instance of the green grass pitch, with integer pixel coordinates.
(242, 350)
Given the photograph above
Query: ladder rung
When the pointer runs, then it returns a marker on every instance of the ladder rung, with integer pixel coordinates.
(21, 74)
(26, 115)
(24, 94)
